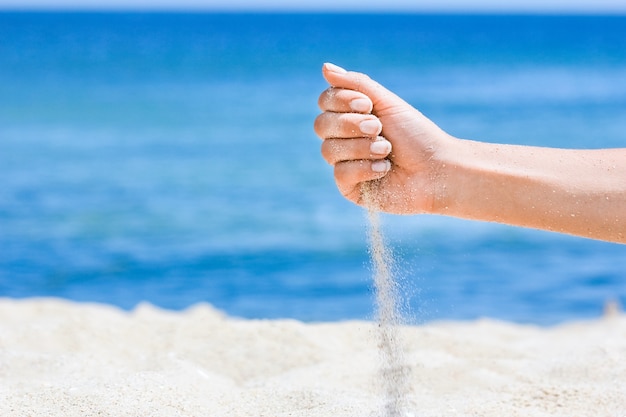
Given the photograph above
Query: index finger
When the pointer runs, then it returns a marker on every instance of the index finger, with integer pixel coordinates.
(341, 100)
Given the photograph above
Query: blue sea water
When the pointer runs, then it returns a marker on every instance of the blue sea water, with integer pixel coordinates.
(170, 158)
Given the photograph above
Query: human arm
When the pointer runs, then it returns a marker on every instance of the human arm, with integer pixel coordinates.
(579, 192)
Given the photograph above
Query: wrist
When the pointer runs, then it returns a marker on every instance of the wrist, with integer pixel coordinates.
(446, 165)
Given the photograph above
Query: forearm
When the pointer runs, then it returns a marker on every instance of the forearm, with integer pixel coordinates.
(579, 192)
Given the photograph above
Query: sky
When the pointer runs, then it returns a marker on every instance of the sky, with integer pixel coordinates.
(550, 6)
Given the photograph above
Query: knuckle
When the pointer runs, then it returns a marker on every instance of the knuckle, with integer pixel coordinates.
(340, 175)
(327, 98)
(323, 99)
(346, 181)
(318, 125)
(328, 152)
(346, 172)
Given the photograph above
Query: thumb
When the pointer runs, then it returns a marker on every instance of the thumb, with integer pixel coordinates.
(340, 78)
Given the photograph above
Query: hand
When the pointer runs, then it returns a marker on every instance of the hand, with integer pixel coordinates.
(372, 135)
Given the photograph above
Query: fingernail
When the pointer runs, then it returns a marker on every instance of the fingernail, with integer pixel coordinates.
(334, 68)
(361, 105)
(381, 166)
(380, 147)
(370, 127)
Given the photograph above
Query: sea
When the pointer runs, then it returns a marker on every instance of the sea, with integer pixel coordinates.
(170, 158)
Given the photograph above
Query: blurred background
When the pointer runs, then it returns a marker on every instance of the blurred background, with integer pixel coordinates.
(169, 157)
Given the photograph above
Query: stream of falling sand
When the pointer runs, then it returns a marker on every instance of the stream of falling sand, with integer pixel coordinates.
(394, 373)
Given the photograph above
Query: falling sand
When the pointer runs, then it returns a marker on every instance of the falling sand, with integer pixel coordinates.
(394, 373)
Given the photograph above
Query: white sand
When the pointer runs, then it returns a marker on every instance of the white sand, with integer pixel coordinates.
(65, 359)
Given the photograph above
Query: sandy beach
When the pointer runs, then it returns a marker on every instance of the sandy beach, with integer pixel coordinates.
(59, 358)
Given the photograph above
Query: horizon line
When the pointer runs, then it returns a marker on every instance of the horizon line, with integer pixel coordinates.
(319, 10)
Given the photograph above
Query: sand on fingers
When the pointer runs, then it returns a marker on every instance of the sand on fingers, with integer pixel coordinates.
(59, 358)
